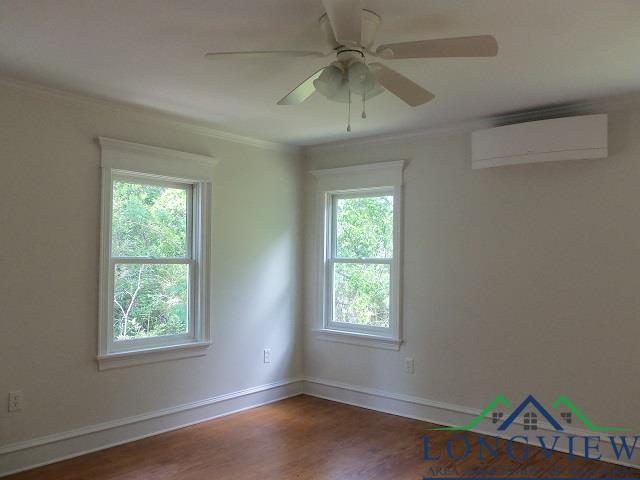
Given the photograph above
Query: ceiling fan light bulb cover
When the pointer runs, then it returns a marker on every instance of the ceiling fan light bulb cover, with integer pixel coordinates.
(360, 78)
(329, 81)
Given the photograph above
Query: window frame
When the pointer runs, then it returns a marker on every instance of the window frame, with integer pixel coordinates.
(189, 259)
(332, 258)
(359, 181)
(125, 161)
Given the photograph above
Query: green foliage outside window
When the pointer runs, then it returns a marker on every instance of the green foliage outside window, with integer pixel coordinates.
(364, 229)
(152, 299)
(149, 299)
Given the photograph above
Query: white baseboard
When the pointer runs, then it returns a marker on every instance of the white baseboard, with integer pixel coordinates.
(40, 451)
(439, 413)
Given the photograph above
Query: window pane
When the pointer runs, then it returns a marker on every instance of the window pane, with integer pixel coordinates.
(364, 227)
(150, 300)
(361, 294)
(149, 220)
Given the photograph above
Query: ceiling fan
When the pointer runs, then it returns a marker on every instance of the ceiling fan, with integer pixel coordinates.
(350, 31)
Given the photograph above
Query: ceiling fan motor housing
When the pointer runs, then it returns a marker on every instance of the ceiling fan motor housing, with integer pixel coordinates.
(370, 25)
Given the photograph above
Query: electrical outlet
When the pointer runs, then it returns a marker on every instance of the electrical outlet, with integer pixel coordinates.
(267, 355)
(408, 365)
(16, 401)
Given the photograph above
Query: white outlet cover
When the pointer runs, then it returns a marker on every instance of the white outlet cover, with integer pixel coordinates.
(408, 365)
(267, 355)
(16, 401)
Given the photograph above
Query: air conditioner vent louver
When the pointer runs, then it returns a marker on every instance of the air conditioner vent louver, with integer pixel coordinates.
(569, 138)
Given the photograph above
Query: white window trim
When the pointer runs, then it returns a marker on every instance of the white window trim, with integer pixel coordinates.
(386, 177)
(153, 164)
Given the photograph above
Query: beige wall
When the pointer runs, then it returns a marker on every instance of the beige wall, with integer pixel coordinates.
(517, 280)
(49, 217)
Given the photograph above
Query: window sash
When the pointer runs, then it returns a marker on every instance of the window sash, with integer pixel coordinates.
(149, 179)
(333, 205)
(152, 260)
(116, 346)
(372, 260)
(161, 340)
(331, 294)
(331, 259)
(146, 179)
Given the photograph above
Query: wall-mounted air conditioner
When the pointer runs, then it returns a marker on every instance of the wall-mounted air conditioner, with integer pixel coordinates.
(569, 138)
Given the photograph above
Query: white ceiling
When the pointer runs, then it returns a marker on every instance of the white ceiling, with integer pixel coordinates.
(150, 53)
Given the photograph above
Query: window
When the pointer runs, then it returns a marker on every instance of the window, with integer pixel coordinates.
(154, 268)
(359, 231)
(360, 259)
(152, 261)
(530, 421)
(496, 416)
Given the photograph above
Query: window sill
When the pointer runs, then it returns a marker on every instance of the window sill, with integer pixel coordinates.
(151, 355)
(354, 338)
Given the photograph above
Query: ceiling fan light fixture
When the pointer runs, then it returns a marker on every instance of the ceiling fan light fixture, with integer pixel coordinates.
(330, 80)
(360, 78)
(350, 32)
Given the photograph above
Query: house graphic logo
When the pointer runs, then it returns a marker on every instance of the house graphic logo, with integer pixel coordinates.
(531, 410)
(562, 426)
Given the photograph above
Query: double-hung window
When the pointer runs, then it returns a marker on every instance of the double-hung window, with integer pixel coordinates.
(359, 211)
(154, 267)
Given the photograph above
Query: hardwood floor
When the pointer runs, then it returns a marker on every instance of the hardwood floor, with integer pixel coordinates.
(300, 438)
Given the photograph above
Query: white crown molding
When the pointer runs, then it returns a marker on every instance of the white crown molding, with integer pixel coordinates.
(629, 101)
(52, 448)
(599, 105)
(428, 132)
(174, 121)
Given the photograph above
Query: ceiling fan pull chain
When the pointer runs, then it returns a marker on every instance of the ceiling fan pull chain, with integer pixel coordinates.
(349, 113)
(364, 112)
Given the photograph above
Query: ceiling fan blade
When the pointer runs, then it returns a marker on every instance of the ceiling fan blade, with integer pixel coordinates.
(475, 46)
(301, 92)
(408, 91)
(266, 54)
(345, 17)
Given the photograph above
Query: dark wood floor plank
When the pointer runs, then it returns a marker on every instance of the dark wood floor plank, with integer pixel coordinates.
(297, 438)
